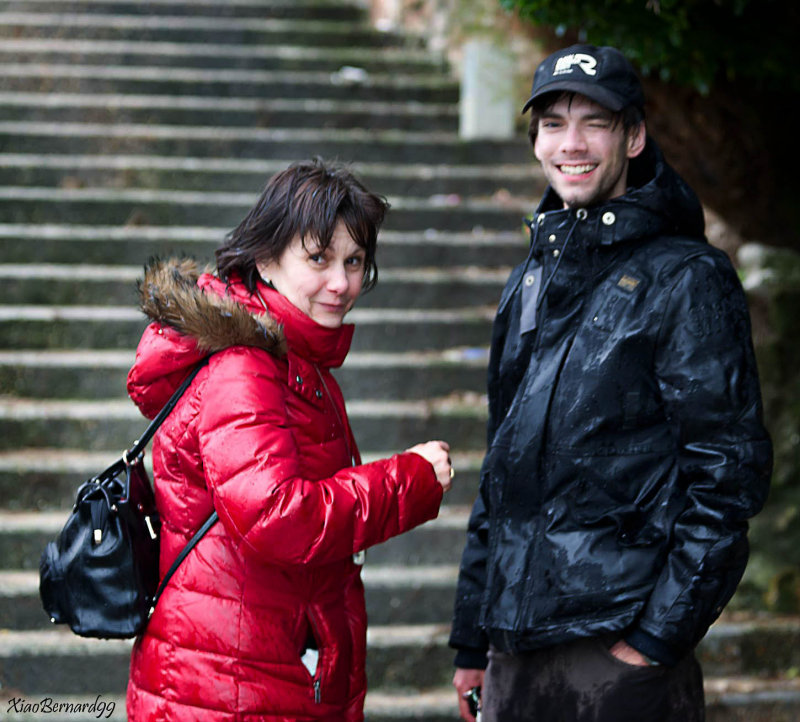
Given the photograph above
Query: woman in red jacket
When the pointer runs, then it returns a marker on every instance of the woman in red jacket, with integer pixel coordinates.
(265, 618)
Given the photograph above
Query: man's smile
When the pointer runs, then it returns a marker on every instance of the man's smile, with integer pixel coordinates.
(577, 169)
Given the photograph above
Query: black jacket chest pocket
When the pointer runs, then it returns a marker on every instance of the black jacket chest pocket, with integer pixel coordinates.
(305, 381)
(614, 301)
(606, 317)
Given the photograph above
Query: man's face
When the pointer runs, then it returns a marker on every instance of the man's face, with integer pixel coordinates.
(584, 153)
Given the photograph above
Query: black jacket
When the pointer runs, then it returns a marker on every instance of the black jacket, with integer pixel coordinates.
(626, 449)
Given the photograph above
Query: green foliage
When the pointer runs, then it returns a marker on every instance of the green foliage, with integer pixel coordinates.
(691, 42)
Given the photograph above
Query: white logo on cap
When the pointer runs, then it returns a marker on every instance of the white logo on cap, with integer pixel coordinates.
(586, 63)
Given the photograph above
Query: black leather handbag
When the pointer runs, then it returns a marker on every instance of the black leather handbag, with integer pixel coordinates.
(100, 574)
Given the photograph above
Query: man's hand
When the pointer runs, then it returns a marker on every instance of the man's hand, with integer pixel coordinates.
(464, 680)
(625, 653)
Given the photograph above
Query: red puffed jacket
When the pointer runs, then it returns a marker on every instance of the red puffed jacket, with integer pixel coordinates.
(261, 436)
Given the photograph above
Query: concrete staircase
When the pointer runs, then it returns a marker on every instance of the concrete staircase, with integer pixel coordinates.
(132, 128)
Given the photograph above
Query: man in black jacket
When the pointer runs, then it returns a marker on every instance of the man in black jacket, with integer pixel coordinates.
(626, 450)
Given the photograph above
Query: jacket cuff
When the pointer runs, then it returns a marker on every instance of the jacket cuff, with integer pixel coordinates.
(471, 659)
(422, 495)
(651, 647)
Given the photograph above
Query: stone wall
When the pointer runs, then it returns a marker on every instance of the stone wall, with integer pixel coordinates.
(771, 277)
(451, 27)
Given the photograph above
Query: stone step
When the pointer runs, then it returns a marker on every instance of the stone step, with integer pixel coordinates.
(503, 183)
(74, 327)
(134, 244)
(282, 56)
(398, 657)
(394, 595)
(239, 112)
(24, 535)
(69, 327)
(262, 143)
(86, 284)
(417, 597)
(228, 83)
(112, 424)
(199, 29)
(100, 374)
(752, 699)
(58, 663)
(45, 479)
(743, 644)
(112, 206)
(312, 9)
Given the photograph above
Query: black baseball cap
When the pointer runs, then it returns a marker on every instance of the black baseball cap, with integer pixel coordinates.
(602, 74)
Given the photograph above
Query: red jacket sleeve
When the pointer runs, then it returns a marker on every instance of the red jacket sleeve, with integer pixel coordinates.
(250, 459)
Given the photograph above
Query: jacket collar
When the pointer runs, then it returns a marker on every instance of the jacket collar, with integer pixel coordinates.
(218, 315)
(326, 347)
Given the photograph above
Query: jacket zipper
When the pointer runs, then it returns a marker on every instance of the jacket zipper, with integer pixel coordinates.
(523, 612)
(316, 679)
(342, 426)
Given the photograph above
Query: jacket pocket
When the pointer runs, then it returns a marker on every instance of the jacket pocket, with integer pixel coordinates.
(312, 658)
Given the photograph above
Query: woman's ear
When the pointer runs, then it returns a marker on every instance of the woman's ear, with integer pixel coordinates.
(264, 270)
(637, 137)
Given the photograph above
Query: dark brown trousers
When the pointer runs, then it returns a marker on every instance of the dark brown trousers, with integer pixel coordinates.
(583, 682)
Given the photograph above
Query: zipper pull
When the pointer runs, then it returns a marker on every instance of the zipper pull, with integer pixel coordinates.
(317, 691)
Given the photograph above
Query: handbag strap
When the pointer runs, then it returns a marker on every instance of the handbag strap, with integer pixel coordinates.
(143, 440)
(198, 535)
(137, 449)
(129, 456)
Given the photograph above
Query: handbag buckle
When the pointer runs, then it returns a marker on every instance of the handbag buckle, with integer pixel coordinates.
(130, 462)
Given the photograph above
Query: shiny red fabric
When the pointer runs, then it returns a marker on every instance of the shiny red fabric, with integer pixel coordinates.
(265, 441)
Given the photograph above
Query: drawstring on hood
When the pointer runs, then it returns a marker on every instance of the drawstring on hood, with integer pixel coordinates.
(578, 217)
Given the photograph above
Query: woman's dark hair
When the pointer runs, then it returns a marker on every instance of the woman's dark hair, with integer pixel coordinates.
(308, 199)
(630, 117)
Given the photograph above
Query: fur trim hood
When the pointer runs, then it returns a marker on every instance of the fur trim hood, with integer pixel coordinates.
(169, 295)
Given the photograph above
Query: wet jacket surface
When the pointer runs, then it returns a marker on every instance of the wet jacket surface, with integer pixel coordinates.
(626, 449)
(261, 436)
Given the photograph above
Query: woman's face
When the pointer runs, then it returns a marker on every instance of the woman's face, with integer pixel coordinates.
(322, 284)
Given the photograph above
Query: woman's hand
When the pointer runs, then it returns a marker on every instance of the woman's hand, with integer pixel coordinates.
(438, 454)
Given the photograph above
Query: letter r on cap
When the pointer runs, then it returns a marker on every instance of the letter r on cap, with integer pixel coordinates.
(586, 63)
